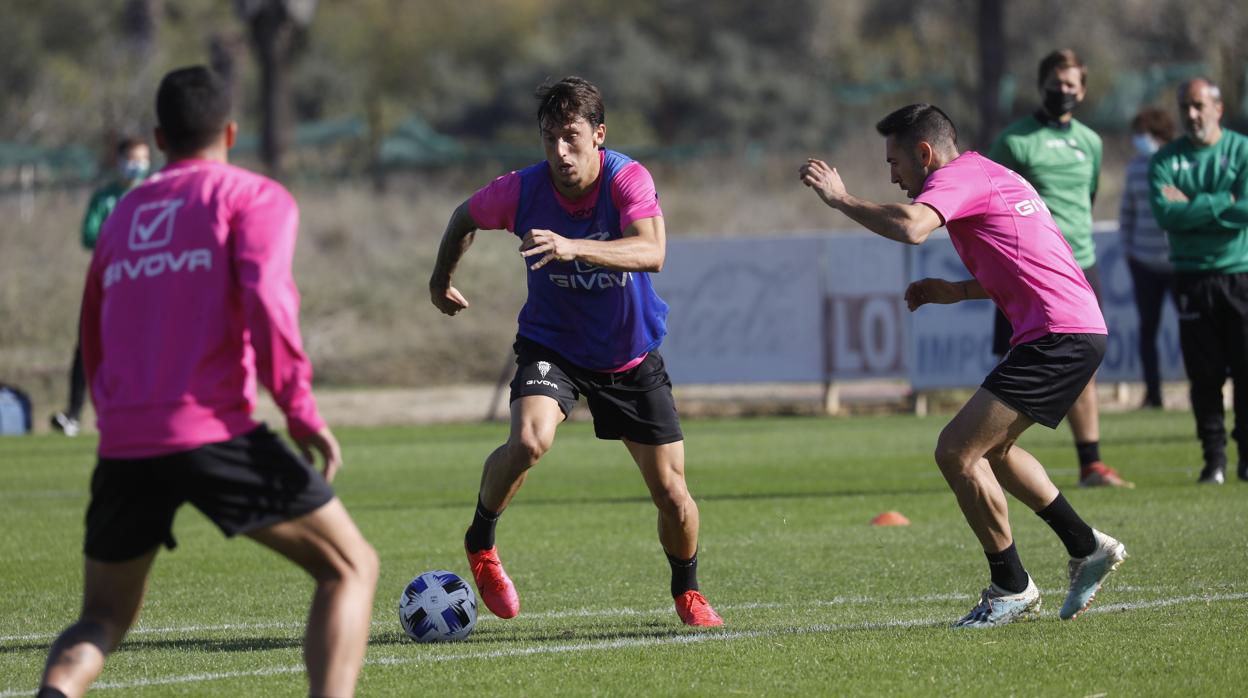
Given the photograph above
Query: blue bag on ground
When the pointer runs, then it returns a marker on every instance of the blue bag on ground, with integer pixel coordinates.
(15, 412)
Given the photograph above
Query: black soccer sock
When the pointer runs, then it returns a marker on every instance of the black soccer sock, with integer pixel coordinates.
(480, 535)
(1075, 534)
(49, 692)
(684, 574)
(1089, 453)
(1007, 569)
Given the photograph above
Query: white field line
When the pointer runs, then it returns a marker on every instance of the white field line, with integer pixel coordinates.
(623, 643)
(1162, 603)
(505, 653)
(579, 613)
(177, 630)
(544, 615)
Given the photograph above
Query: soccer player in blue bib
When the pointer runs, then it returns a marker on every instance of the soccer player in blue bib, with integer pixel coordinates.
(591, 229)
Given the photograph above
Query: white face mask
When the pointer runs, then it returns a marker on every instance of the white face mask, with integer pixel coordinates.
(1144, 144)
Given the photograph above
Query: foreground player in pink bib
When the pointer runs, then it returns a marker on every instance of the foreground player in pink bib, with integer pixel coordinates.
(1018, 258)
(189, 302)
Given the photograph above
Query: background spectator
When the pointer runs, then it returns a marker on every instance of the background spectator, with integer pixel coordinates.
(1144, 242)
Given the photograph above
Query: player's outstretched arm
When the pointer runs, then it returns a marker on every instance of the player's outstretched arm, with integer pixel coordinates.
(908, 223)
(643, 247)
(926, 291)
(460, 232)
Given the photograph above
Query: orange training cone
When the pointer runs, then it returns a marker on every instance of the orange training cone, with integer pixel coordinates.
(890, 518)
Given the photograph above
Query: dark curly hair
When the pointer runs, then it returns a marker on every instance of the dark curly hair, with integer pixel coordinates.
(916, 123)
(562, 102)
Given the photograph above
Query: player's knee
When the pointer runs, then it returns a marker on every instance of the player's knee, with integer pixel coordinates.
(997, 454)
(366, 564)
(361, 565)
(952, 457)
(672, 499)
(99, 626)
(529, 448)
(355, 564)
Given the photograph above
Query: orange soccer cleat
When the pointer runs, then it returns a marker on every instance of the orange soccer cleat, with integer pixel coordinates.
(495, 587)
(1097, 474)
(693, 609)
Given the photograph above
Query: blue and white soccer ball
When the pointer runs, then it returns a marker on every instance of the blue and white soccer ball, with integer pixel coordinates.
(438, 607)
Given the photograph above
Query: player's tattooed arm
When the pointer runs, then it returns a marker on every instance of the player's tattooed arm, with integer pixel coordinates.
(643, 247)
(460, 231)
(926, 291)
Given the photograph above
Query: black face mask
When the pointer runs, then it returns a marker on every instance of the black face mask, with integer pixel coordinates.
(1057, 103)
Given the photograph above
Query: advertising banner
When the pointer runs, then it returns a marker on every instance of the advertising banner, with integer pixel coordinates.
(830, 307)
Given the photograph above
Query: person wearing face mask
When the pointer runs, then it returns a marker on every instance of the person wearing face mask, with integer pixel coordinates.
(1061, 158)
(1144, 243)
(1198, 186)
(133, 164)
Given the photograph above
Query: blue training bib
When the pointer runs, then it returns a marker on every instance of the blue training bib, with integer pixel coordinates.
(595, 317)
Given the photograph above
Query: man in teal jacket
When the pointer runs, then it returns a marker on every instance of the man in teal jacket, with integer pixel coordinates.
(1198, 185)
(133, 163)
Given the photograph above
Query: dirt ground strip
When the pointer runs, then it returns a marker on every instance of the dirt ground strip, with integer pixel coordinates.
(479, 402)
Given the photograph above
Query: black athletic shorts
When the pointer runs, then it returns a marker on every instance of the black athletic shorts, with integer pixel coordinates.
(636, 404)
(243, 484)
(1043, 378)
(1002, 331)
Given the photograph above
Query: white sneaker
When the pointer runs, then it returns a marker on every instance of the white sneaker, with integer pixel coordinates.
(65, 424)
(1212, 475)
(1087, 573)
(997, 607)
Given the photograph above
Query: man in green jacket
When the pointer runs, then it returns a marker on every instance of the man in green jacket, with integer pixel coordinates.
(133, 163)
(1198, 187)
(1061, 158)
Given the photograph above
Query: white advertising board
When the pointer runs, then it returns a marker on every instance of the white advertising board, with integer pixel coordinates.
(865, 276)
(951, 345)
(830, 307)
(743, 310)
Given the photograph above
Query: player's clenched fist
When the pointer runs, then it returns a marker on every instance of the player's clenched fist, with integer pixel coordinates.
(449, 300)
(552, 246)
(932, 291)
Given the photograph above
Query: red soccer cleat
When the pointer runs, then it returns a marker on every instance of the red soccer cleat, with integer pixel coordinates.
(1097, 474)
(693, 609)
(495, 587)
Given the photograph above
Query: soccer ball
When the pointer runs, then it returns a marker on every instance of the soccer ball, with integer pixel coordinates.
(438, 607)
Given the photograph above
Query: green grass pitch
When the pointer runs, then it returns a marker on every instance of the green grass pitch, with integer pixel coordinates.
(817, 602)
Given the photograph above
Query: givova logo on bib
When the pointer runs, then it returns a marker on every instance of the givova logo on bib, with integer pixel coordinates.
(152, 224)
(151, 228)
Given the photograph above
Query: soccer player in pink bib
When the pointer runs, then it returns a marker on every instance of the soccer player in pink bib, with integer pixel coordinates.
(189, 302)
(1006, 238)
